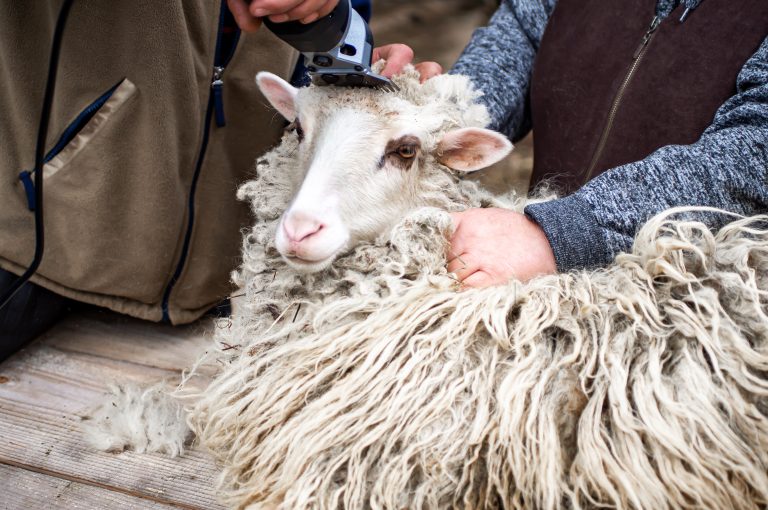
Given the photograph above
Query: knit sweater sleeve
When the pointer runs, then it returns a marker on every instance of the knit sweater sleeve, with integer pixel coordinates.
(499, 60)
(726, 168)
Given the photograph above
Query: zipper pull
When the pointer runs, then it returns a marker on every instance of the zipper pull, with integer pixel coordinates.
(647, 37)
(218, 95)
(29, 188)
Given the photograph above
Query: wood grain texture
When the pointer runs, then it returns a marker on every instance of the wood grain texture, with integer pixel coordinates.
(46, 393)
(46, 389)
(24, 490)
(117, 337)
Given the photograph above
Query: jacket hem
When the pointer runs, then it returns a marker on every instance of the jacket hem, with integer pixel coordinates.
(145, 311)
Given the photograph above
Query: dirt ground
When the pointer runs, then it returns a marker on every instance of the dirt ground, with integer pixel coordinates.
(438, 30)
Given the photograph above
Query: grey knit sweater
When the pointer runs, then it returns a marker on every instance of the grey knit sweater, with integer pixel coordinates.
(726, 168)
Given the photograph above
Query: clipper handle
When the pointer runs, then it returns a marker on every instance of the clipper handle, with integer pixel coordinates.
(337, 49)
(319, 36)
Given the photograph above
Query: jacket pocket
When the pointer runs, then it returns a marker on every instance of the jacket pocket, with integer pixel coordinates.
(79, 133)
(105, 233)
(87, 125)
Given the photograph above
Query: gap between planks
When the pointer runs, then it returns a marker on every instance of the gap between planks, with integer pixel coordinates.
(14, 487)
(47, 388)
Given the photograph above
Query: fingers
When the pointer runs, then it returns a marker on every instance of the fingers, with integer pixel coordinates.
(397, 57)
(428, 70)
(243, 17)
(280, 11)
(479, 279)
(324, 9)
(272, 8)
(455, 263)
(462, 268)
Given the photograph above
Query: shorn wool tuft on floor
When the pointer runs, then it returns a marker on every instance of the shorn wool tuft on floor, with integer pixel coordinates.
(642, 385)
(139, 419)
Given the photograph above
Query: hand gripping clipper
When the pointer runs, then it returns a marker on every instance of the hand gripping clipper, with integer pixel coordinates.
(337, 49)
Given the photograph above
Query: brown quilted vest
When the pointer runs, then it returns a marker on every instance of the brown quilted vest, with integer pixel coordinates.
(609, 89)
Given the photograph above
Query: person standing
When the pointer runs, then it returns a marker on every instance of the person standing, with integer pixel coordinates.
(156, 120)
(637, 107)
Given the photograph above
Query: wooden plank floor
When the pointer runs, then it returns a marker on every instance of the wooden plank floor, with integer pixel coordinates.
(47, 388)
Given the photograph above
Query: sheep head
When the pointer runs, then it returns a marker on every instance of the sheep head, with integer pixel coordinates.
(365, 158)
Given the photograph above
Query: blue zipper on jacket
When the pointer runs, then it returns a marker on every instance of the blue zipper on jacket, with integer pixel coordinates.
(215, 103)
(69, 133)
(220, 64)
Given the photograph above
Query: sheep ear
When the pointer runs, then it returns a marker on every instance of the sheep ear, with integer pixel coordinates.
(471, 149)
(280, 94)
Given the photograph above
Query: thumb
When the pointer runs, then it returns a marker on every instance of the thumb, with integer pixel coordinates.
(454, 247)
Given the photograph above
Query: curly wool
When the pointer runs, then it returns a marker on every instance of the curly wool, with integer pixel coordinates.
(641, 385)
(272, 290)
(377, 384)
(277, 297)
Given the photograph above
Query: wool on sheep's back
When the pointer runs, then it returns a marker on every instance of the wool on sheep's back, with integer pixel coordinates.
(378, 384)
(641, 385)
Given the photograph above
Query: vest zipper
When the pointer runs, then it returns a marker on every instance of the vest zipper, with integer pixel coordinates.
(637, 57)
(215, 104)
(218, 95)
(220, 62)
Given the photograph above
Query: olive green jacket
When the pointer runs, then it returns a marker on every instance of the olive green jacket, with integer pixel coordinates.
(139, 191)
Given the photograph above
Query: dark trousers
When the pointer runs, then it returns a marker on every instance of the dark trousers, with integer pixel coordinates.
(29, 313)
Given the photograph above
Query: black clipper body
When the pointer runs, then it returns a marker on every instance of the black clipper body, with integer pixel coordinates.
(337, 49)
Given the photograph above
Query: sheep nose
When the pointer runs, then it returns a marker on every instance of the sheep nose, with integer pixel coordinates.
(299, 226)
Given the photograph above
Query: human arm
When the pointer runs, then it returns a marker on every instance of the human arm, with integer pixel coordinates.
(499, 60)
(727, 168)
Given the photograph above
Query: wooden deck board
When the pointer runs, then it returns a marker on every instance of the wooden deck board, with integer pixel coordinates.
(46, 389)
(21, 488)
(123, 338)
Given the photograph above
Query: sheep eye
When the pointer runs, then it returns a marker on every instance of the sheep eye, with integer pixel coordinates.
(401, 152)
(406, 151)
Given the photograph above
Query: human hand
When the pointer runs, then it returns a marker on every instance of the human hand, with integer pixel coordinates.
(397, 56)
(248, 13)
(490, 246)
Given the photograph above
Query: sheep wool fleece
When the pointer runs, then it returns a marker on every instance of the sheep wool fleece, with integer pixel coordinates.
(376, 384)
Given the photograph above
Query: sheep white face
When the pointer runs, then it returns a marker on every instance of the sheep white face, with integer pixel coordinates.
(358, 168)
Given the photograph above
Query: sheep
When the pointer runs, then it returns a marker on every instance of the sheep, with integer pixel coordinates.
(366, 161)
(641, 385)
(352, 165)
(372, 382)
(360, 375)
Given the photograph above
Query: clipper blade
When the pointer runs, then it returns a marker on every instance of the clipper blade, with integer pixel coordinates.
(354, 79)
